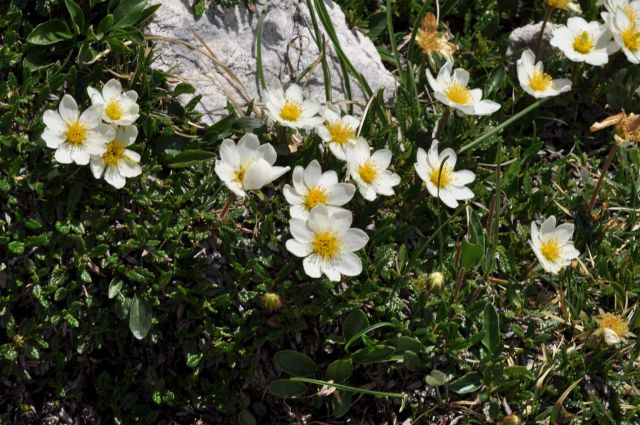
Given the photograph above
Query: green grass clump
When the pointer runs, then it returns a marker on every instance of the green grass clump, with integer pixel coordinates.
(172, 301)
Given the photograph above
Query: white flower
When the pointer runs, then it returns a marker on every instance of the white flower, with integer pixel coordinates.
(452, 90)
(534, 81)
(119, 108)
(369, 170)
(117, 162)
(552, 245)
(291, 109)
(442, 182)
(75, 136)
(247, 166)
(583, 41)
(626, 31)
(312, 187)
(327, 242)
(338, 131)
(631, 8)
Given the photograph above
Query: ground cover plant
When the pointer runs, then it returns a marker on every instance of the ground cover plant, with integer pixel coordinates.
(456, 256)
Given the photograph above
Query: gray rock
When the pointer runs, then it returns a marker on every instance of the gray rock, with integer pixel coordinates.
(227, 70)
(527, 37)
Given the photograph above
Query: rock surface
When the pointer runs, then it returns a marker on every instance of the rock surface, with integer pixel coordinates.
(288, 48)
(527, 36)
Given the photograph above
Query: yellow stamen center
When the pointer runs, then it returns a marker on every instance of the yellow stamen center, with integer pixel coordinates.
(630, 12)
(113, 109)
(341, 132)
(326, 244)
(540, 81)
(614, 322)
(291, 110)
(238, 176)
(559, 4)
(551, 250)
(316, 195)
(368, 171)
(76, 134)
(458, 93)
(582, 43)
(113, 155)
(631, 38)
(441, 179)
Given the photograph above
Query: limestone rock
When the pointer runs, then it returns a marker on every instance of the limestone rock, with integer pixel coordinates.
(527, 36)
(226, 68)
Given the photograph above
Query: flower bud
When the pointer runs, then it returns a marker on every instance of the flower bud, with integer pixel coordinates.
(511, 420)
(271, 301)
(436, 281)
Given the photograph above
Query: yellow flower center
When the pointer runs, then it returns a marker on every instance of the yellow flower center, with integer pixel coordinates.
(614, 322)
(316, 195)
(341, 132)
(458, 93)
(441, 179)
(238, 176)
(326, 244)
(368, 171)
(630, 12)
(291, 110)
(631, 38)
(76, 134)
(559, 4)
(540, 81)
(551, 250)
(113, 155)
(582, 43)
(113, 109)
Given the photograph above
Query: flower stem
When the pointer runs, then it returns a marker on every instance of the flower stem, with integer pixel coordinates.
(225, 207)
(547, 15)
(605, 168)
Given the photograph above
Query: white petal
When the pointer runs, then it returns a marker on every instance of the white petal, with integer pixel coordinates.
(463, 177)
(298, 180)
(112, 90)
(229, 153)
(291, 195)
(97, 166)
(330, 271)
(63, 154)
(68, 109)
(350, 264)
(340, 194)
(485, 107)
(294, 92)
(382, 158)
(267, 152)
(248, 145)
(300, 231)
(80, 156)
(312, 174)
(548, 226)
(354, 239)
(53, 121)
(129, 169)
(461, 75)
(311, 265)
(52, 140)
(298, 249)
(114, 178)
(91, 117)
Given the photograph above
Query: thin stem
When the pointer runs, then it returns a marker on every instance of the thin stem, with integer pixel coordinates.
(547, 15)
(348, 388)
(442, 123)
(226, 206)
(605, 168)
(563, 302)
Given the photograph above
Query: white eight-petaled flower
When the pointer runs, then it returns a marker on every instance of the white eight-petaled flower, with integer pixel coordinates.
(117, 162)
(247, 165)
(534, 81)
(120, 108)
(552, 245)
(369, 170)
(327, 242)
(452, 90)
(338, 131)
(75, 136)
(312, 187)
(291, 109)
(436, 169)
(582, 41)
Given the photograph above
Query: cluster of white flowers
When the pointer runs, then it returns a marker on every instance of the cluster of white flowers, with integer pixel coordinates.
(98, 136)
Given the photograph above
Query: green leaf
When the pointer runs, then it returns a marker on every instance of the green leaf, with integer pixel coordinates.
(340, 370)
(373, 354)
(114, 288)
(342, 403)
(190, 157)
(16, 247)
(286, 388)
(355, 322)
(123, 305)
(128, 13)
(470, 255)
(468, 383)
(105, 24)
(412, 361)
(295, 363)
(50, 32)
(198, 8)
(492, 338)
(436, 378)
(404, 343)
(77, 16)
(246, 418)
(140, 317)
(183, 88)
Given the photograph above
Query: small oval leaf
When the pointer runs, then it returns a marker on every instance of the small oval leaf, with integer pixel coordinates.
(140, 317)
(295, 363)
(374, 354)
(340, 370)
(286, 388)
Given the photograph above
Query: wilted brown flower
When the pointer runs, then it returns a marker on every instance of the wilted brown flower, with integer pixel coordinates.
(627, 128)
(565, 5)
(434, 42)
